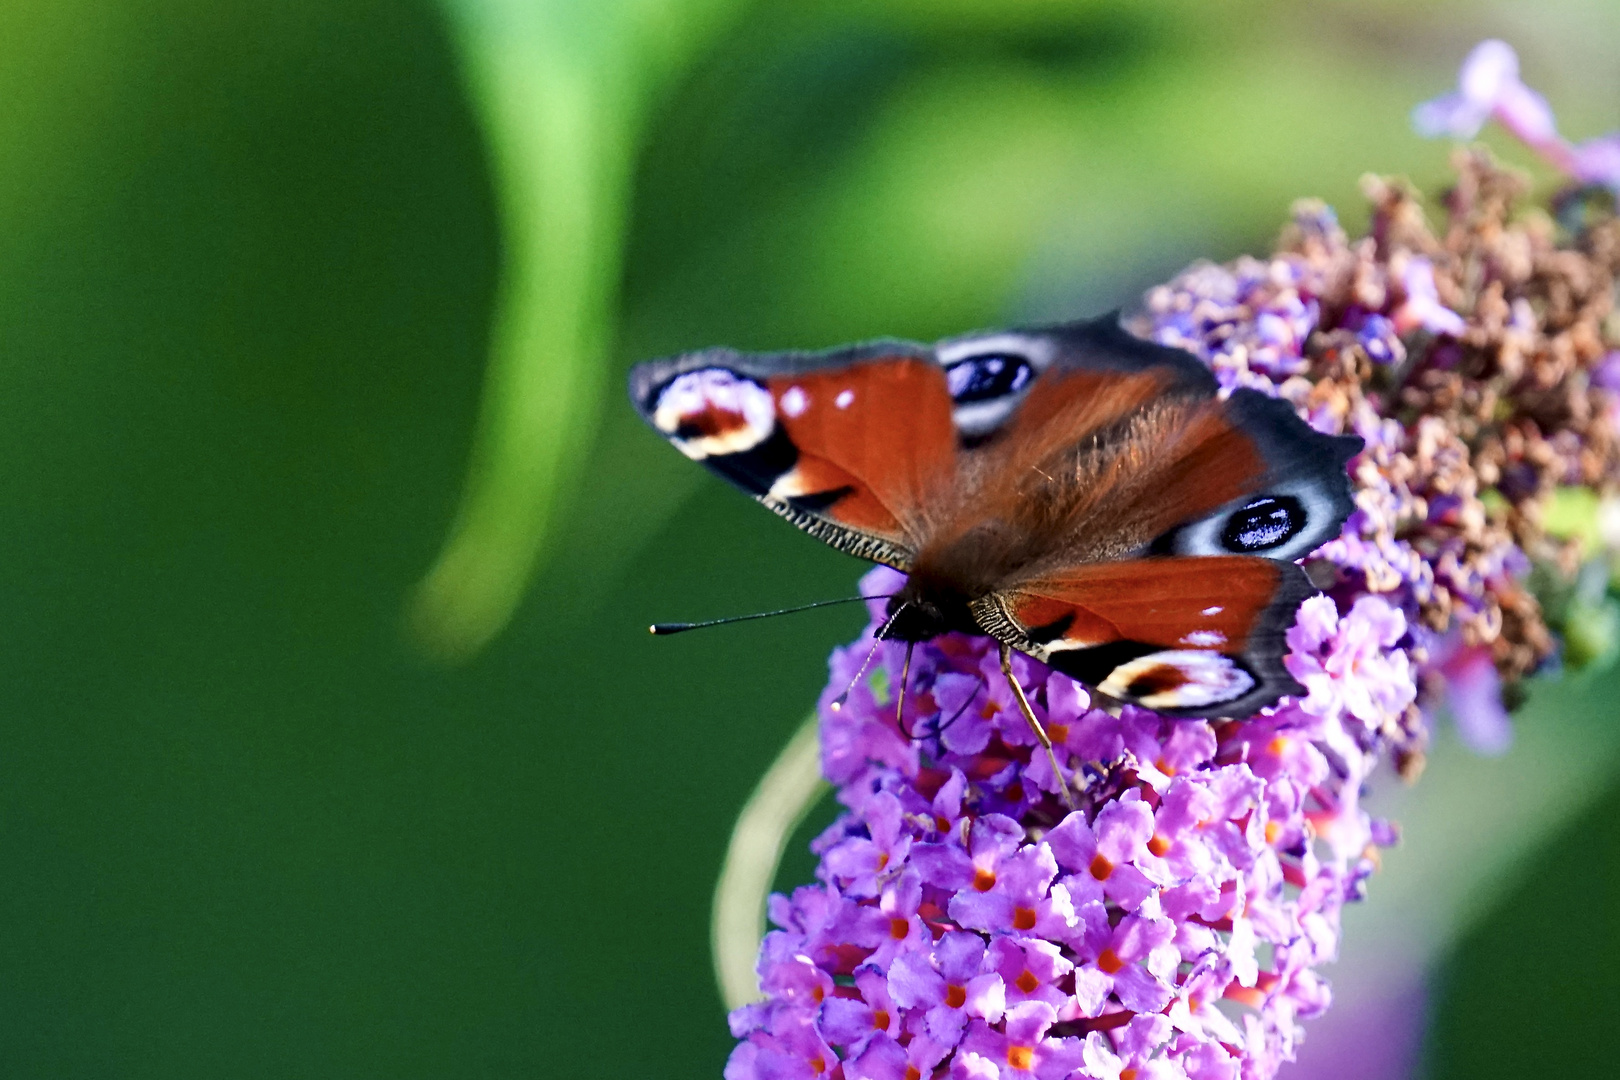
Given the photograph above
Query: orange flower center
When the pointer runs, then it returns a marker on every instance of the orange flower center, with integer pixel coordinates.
(913, 1073)
(880, 1019)
(1023, 918)
(818, 1065)
(1057, 732)
(984, 880)
(1273, 831)
(1101, 867)
(1021, 1057)
(955, 996)
(883, 860)
(1127, 1073)
(1109, 961)
(1159, 844)
(899, 929)
(1027, 982)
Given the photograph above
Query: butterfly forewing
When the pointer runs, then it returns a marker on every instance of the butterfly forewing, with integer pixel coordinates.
(853, 445)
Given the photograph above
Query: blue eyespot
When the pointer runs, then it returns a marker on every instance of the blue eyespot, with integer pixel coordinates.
(1265, 523)
(987, 377)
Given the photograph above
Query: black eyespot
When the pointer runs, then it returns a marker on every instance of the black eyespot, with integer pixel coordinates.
(985, 378)
(1264, 523)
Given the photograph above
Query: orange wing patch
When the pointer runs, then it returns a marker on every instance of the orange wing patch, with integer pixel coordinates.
(875, 442)
(1208, 603)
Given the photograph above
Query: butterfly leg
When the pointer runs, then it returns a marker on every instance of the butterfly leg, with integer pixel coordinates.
(900, 702)
(1035, 725)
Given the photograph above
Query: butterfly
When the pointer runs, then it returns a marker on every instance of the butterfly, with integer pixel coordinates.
(1074, 492)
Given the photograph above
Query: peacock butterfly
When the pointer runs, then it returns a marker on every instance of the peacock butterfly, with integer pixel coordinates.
(1072, 491)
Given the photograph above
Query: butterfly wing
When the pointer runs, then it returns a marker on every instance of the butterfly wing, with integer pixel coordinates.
(851, 445)
(1154, 554)
(1121, 448)
(872, 447)
(1199, 636)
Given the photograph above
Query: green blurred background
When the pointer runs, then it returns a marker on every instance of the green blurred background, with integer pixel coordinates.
(269, 807)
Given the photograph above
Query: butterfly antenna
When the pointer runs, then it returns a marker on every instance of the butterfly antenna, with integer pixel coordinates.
(900, 702)
(663, 629)
(1035, 725)
(877, 639)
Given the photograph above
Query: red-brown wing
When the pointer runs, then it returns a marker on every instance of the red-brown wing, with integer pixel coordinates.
(1197, 636)
(850, 446)
(1122, 447)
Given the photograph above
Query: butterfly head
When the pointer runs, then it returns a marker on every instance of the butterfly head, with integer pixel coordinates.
(924, 609)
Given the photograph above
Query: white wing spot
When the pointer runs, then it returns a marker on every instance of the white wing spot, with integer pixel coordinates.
(1216, 610)
(794, 402)
(1204, 639)
(844, 399)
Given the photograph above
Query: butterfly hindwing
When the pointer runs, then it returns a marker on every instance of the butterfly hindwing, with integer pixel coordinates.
(1197, 636)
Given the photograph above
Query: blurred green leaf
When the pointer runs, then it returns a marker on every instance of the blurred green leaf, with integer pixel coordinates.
(561, 88)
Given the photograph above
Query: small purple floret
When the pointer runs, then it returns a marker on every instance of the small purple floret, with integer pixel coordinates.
(1489, 88)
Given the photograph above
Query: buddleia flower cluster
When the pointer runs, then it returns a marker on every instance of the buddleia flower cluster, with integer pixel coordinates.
(968, 922)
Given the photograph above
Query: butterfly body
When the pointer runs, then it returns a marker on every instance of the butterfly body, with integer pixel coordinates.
(1072, 491)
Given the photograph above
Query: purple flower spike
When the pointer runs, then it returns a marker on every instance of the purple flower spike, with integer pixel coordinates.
(968, 922)
(968, 925)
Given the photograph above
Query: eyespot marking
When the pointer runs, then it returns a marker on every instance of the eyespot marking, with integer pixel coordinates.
(1179, 679)
(845, 399)
(1264, 523)
(714, 412)
(987, 377)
